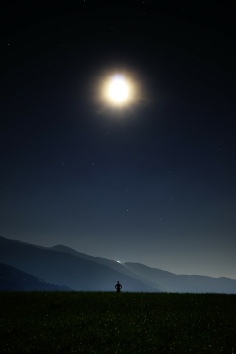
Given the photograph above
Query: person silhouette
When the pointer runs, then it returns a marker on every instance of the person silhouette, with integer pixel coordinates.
(118, 287)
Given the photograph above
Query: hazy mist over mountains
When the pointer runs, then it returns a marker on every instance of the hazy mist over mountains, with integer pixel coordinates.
(29, 267)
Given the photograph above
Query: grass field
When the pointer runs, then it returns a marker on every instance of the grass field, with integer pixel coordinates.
(41, 322)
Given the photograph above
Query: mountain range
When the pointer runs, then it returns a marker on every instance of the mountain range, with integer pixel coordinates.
(29, 267)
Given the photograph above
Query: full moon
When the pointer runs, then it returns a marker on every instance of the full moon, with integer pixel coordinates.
(118, 89)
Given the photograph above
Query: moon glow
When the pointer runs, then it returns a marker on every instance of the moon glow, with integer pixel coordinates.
(118, 89)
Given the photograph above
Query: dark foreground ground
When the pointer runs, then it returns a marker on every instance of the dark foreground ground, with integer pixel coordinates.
(41, 322)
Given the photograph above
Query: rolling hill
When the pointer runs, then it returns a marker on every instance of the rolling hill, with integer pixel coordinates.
(12, 279)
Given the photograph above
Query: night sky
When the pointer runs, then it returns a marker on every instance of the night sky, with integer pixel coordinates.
(153, 182)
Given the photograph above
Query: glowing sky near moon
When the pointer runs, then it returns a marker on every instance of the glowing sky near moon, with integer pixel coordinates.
(118, 89)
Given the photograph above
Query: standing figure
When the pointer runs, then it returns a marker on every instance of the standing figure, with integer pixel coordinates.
(118, 287)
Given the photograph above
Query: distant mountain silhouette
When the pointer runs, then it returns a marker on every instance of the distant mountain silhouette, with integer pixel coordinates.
(79, 272)
(12, 279)
(169, 282)
(117, 266)
(64, 266)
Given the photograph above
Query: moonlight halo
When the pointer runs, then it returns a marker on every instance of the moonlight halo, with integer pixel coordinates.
(118, 89)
